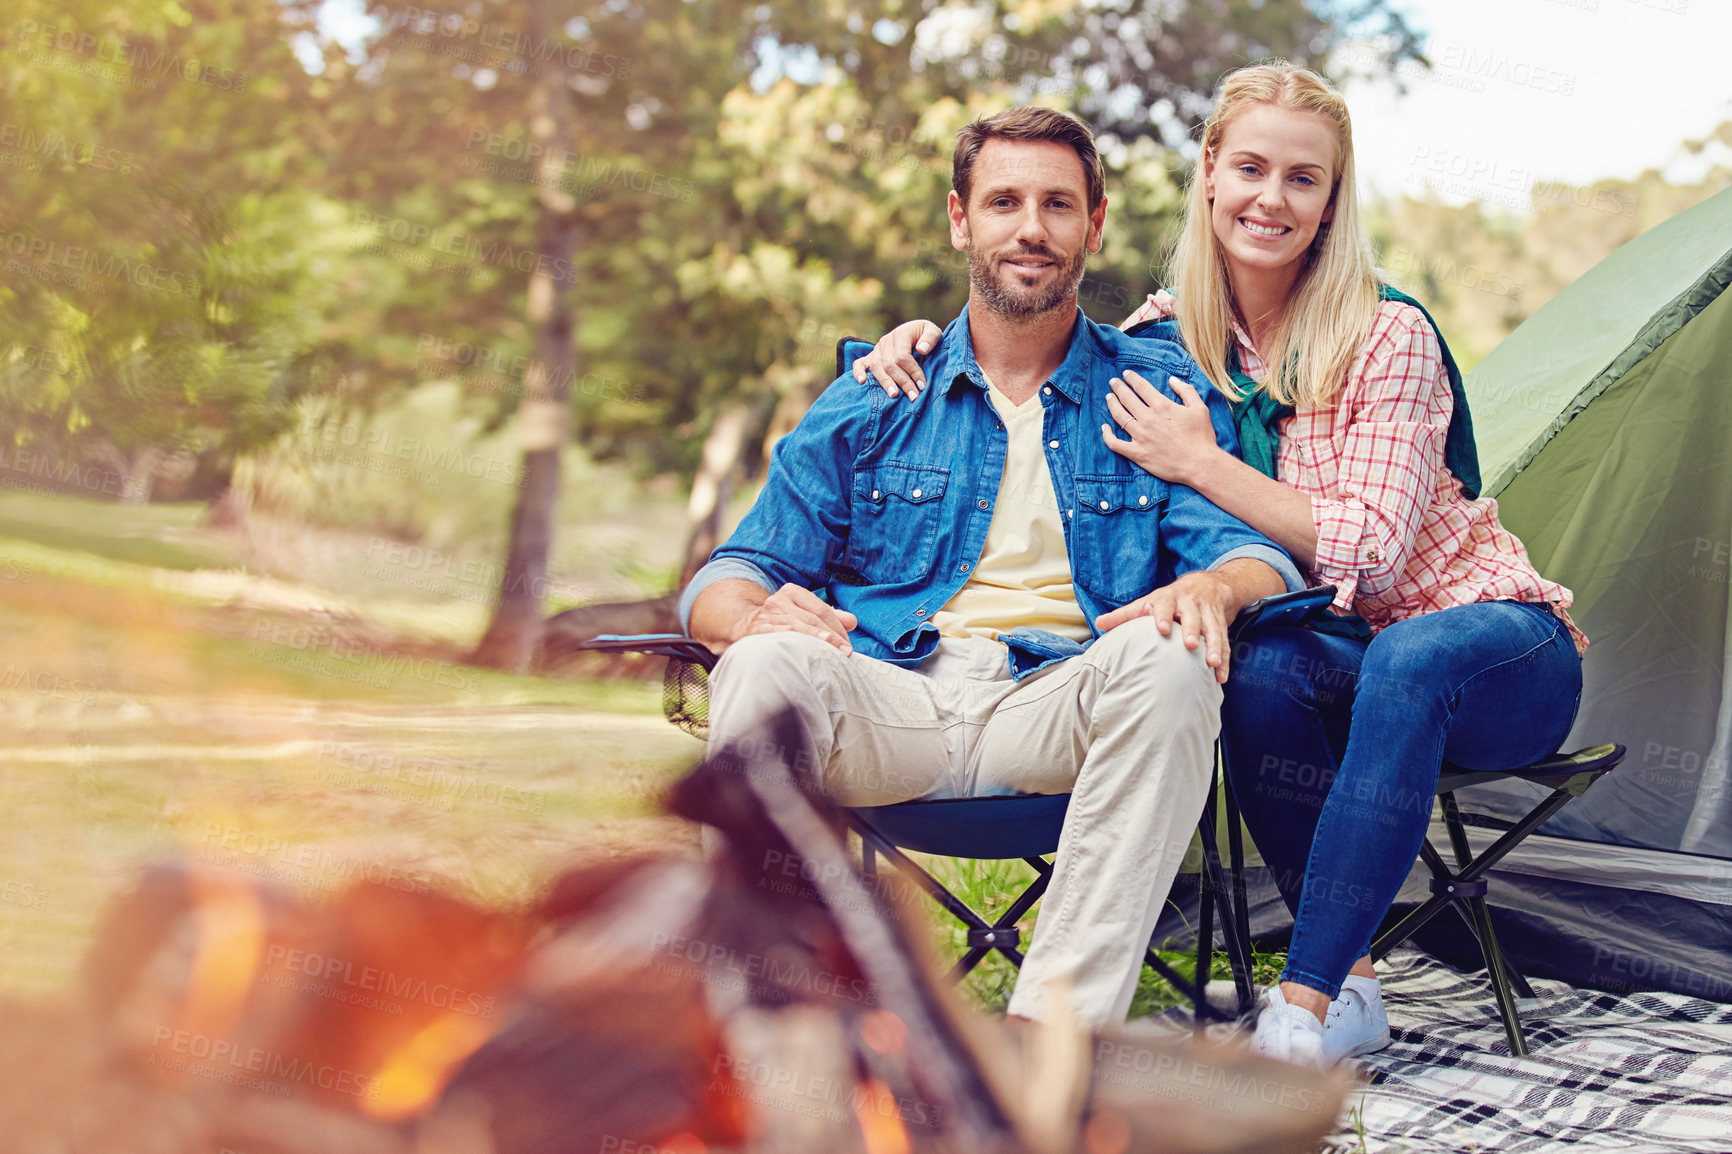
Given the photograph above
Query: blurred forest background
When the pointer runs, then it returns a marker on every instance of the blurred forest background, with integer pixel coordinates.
(488, 316)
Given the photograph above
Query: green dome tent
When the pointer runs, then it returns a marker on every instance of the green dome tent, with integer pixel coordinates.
(1604, 426)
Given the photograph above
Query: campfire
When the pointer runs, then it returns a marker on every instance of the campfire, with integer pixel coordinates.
(663, 1005)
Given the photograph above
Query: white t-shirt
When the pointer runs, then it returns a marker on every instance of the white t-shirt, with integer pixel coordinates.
(1023, 576)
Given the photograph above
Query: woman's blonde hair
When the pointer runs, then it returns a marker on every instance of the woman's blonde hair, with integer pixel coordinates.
(1335, 298)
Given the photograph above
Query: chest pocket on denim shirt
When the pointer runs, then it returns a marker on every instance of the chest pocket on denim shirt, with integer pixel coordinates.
(1116, 534)
(896, 509)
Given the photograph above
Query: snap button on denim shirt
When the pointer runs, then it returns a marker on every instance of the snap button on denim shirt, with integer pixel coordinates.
(881, 504)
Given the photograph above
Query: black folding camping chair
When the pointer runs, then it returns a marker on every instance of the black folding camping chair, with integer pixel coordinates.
(1463, 888)
(1568, 776)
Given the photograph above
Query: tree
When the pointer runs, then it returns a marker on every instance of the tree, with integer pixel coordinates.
(165, 291)
(556, 132)
(513, 170)
(824, 206)
(1483, 270)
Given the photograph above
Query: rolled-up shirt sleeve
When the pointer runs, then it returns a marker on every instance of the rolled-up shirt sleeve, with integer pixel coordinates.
(1390, 461)
(1270, 556)
(721, 569)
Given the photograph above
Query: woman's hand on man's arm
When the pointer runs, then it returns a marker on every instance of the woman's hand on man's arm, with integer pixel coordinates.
(1172, 440)
(892, 359)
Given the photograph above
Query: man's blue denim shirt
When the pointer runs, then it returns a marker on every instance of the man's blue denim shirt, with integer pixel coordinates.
(881, 504)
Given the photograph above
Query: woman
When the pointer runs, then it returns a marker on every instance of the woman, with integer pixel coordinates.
(1462, 651)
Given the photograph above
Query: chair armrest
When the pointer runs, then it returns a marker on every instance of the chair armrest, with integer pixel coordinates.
(673, 645)
(1283, 608)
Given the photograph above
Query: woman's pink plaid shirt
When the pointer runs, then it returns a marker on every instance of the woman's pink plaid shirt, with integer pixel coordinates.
(1394, 532)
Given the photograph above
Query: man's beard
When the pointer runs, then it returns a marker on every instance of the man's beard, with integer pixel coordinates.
(988, 278)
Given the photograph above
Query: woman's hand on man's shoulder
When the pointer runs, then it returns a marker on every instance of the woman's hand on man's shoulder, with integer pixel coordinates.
(1159, 306)
(892, 360)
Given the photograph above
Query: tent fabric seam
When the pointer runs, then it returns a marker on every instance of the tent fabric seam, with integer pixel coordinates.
(1667, 321)
(1546, 856)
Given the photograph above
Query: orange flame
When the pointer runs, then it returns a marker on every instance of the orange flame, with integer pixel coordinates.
(230, 940)
(417, 1071)
(880, 1123)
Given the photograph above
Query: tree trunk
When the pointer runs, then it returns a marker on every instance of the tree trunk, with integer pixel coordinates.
(140, 467)
(229, 510)
(544, 415)
(718, 473)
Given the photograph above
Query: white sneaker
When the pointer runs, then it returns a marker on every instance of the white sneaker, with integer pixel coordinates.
(1288, 1033)
(1356, 1023)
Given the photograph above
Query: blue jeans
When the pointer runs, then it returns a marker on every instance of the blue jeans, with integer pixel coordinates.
(1333, 748)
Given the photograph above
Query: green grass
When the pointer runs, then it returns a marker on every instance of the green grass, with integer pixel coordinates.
(160, 536)
(620, 544)
(1356, 1118)
(145, 716)
(482, 798)
(141, 550)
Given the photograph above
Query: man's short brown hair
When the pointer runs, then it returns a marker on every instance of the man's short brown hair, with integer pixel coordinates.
(1028, 122)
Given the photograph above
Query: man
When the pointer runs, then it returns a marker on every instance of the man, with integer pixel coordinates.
(1006, 605)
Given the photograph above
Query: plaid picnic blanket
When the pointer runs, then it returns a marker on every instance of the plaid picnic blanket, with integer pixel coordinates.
(1638, 1073)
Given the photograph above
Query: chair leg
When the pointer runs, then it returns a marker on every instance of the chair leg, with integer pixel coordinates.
(1233, 928)
(1486, 861)
(1421, 914)
(1213, 897)
(1006, 922)
(1239, 915)
(1464, 887)
(1500, 984)
(1488, 945)
(1205, 1010)
(1236, 864)
(1206, 924)
(1517, 979)
(1003, 931)
(1001, 935)
(955, 906)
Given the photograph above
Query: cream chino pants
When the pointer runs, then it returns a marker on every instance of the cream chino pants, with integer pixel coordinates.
(1128, 729)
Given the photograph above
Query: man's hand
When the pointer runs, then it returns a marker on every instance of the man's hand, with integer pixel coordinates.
(1203, 604)
(731, 609)
(794, 609)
